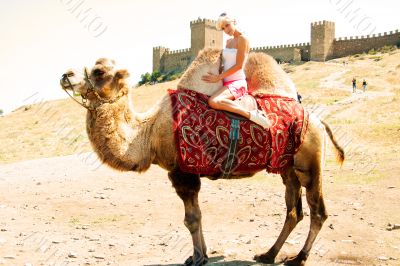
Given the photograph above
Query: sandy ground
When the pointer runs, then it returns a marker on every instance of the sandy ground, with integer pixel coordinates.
(71, 211)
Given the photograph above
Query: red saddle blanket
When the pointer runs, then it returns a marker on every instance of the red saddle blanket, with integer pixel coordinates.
(202, 135)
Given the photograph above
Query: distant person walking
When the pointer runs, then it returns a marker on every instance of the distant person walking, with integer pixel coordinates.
(364, 85)
(299, 97)
(354, 81)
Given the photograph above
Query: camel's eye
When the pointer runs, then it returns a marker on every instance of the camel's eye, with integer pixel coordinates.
(70, 74)
(98, 72)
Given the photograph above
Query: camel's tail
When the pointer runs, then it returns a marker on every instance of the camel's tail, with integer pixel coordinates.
(339, 150)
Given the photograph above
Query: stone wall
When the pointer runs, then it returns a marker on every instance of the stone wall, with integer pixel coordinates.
(286, 52)
(360, 44)
(323, 45)
(177, 60)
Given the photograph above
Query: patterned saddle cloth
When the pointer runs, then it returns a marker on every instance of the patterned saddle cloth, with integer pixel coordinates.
(210, 143)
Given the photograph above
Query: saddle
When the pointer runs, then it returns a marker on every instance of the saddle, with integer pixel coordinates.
(224, 145)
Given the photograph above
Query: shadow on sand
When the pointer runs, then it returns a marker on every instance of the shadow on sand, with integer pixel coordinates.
(219, 261)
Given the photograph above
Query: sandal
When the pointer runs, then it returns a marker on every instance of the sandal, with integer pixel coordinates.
(259, 117)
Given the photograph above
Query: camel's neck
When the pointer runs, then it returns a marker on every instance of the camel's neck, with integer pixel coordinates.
(120, 137)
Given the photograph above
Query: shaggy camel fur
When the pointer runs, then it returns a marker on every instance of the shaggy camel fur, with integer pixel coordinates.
(129, 141)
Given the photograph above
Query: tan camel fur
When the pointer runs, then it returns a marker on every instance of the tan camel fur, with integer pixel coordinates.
(129, 141)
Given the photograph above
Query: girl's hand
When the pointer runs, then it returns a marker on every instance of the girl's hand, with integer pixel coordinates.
(211, 78)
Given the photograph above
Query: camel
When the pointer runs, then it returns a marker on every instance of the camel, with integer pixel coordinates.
(130, 141)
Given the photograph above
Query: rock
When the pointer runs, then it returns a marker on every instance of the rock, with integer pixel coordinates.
(3, 230)
(390, 187)
(383, 258)
(331, 226)
(72, 254)
(391, 227)
(91, 250)
(28, 264)
(9, 257)
(85, 227)
(99, 256)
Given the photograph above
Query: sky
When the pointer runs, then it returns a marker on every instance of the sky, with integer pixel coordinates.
(40, 40)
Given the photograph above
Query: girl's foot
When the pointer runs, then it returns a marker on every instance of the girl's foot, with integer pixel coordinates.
(259, 117)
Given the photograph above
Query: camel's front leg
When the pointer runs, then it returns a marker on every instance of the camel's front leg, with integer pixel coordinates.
(187, 187)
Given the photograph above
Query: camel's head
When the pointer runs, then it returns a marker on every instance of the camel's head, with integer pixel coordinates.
(101, 83)
(208, 60)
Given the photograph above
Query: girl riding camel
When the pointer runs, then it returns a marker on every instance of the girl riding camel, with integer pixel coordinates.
(234, 80)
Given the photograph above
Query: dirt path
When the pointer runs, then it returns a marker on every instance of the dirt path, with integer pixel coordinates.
(68, 211)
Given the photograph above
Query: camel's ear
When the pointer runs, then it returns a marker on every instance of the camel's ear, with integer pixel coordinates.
(121, 74)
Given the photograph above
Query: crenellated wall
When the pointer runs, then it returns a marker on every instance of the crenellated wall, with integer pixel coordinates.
(176, 60)
(286, 52)
(360, 44)
(322, 46)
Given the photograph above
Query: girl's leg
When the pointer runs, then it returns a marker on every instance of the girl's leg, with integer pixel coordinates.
(223, 100)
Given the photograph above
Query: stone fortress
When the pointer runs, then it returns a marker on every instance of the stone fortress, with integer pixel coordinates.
(323, 46)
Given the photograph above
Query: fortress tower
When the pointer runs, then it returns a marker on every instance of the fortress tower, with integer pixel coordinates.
(322, 40)
(158, 53)
(205, 34)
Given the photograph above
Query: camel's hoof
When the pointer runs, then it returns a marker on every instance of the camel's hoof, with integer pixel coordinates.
(264, 258)
(201, 261)
(299, 260)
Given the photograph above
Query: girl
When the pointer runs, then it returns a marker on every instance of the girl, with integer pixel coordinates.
(234, 79)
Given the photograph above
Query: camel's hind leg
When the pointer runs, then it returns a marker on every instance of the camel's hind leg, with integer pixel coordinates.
(318, 213)
(293, 216)
(187, 187)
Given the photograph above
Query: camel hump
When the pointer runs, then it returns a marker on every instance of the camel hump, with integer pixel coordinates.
(248, 102)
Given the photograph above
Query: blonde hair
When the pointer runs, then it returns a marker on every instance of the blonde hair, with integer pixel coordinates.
(223, 19)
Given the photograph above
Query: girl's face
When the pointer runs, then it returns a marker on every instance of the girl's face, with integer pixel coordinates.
(228, 28)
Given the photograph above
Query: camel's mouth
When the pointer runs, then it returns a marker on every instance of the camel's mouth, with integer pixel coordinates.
(66, 83)
(71, 81)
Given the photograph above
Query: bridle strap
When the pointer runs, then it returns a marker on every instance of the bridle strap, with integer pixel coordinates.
(91, 89)
(65, 77)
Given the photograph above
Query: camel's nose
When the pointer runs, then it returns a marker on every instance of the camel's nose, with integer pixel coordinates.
(63, 80)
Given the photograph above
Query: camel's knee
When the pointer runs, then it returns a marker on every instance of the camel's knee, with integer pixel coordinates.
(291, 218)
(319, 216)
(192, 222)
(323, 215)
